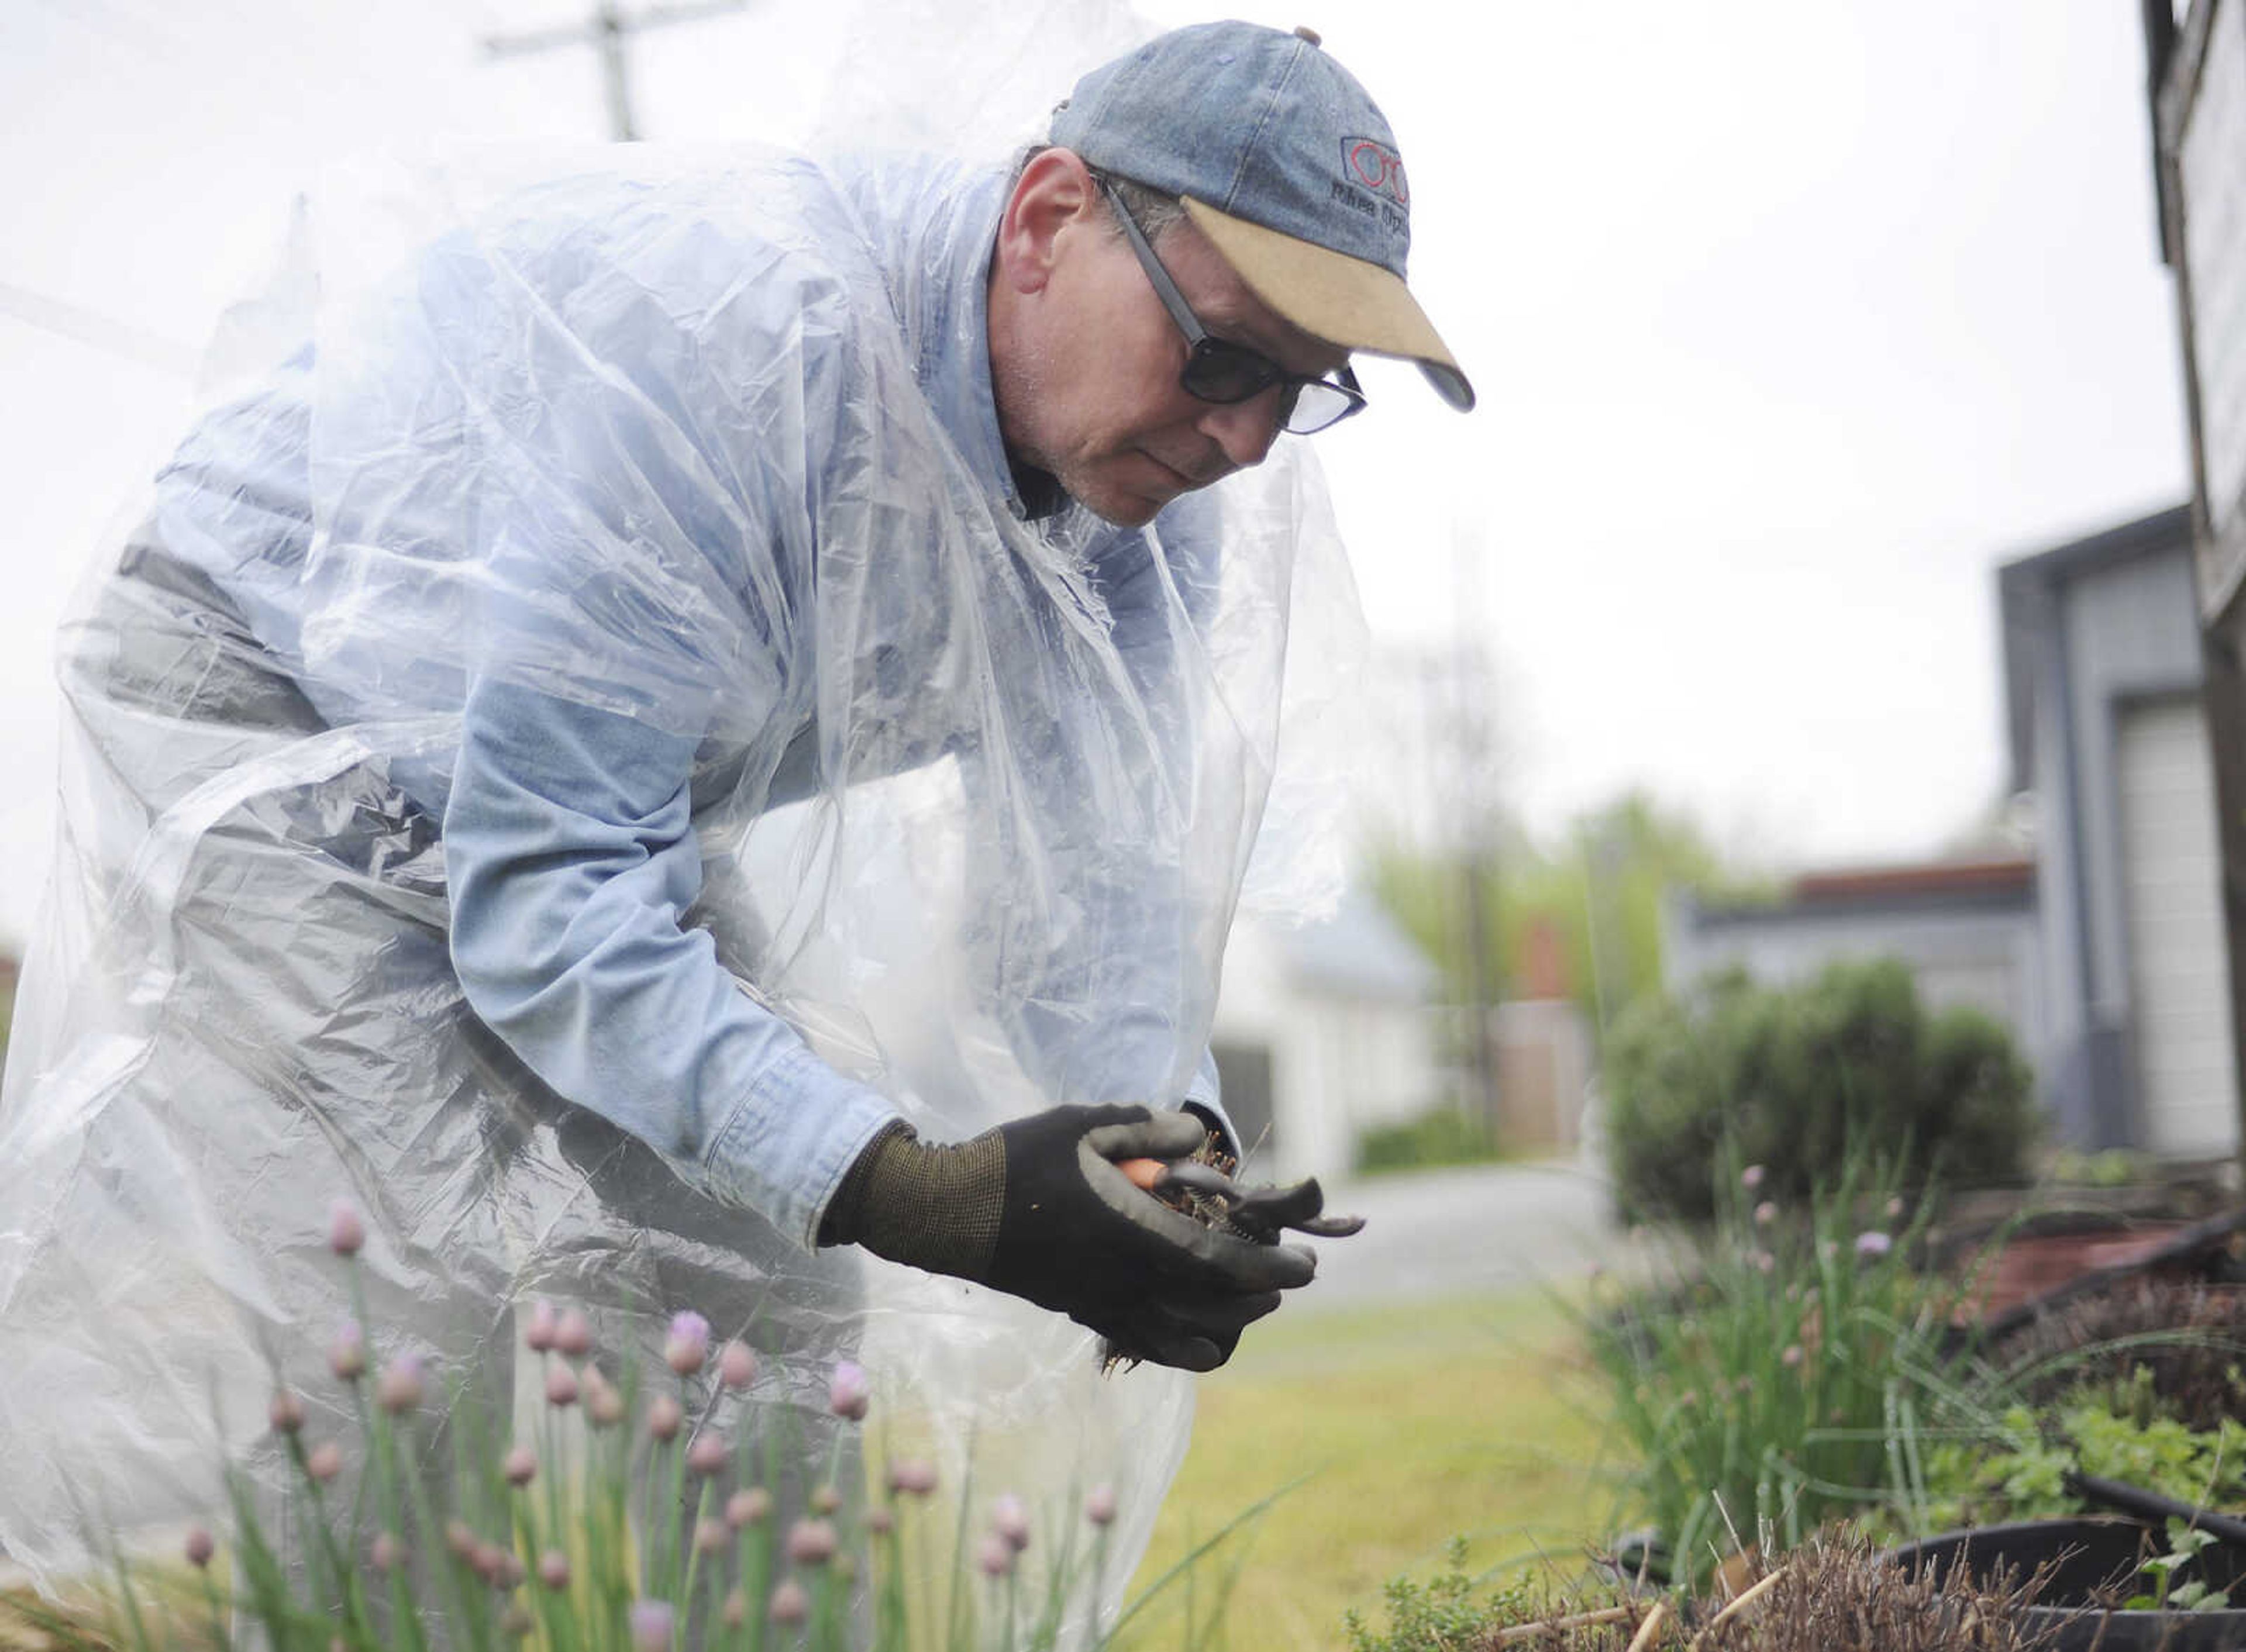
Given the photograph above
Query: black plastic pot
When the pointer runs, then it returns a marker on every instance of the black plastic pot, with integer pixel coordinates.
(2091, 1560)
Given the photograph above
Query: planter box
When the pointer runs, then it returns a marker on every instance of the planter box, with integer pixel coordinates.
(2090, 1561)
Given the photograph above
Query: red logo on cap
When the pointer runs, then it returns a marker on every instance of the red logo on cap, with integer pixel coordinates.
(1376, 166)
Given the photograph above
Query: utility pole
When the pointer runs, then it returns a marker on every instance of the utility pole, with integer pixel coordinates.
(1473, 752)
(608, 31)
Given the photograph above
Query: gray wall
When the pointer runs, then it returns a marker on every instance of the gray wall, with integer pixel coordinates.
(2090, 628)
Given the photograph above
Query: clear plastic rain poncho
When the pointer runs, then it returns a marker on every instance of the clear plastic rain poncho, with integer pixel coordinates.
(659, 466)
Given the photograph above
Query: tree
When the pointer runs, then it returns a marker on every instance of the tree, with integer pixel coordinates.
(1579, 917)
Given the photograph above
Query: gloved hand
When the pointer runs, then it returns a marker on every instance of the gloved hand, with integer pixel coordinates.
(1037, 1208)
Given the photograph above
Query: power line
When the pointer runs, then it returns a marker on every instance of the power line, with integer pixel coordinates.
(608, 31)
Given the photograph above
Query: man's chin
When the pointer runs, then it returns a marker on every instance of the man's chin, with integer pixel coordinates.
(1135, 513)
(1118, 506)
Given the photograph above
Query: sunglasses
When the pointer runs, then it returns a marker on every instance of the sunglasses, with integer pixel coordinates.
(1219, 370)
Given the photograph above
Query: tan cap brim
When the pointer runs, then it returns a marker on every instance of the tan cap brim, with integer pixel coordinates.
(1342, 300)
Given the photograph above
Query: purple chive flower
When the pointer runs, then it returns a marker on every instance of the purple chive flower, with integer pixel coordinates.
(848, 1393)
(826, 1500)
(747, 1506)
(710, 1537)
(561, 1386)
(347, 1354)
(880, 1520)
(791, 1603)
(1792, 1356)
(459, 1539)
(1872, 1242)
(520, 1465)
(573, 1334)
(736, 1608)
(709, 1454)
(913, 1475)
(664, 1418)
(687, 1348)
(554, 1570)
(1765, 1262)
(1011, 1520)
(1751, 1178)
(1766, 1213)
(285, 1411)
(811, 1542)
(538, 1336)
(400, 1387)
(199, 1547)
(604, 1407)
(1099, 1505)
(995, 1556)
(386, 1553)
(736, 1365)
(1895, 1208)
(650, 1626)
(490, 1561)
(324, 1461)
(346, 1232)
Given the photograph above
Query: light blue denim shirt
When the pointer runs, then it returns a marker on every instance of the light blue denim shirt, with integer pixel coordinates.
(569, 839)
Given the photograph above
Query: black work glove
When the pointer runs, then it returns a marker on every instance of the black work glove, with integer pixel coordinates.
(1037, 1208)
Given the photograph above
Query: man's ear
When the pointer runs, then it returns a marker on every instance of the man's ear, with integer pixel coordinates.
(1055, 191)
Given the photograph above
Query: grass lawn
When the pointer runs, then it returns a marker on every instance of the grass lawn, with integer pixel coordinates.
(1417, 1423)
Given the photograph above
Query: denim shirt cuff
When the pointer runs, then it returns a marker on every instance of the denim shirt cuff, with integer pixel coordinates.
(787, 1147)
(1201, 1098)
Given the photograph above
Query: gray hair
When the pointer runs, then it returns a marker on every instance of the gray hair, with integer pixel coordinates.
(1154, 209)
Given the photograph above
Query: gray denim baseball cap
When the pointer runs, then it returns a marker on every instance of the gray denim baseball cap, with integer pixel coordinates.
(1285, 163)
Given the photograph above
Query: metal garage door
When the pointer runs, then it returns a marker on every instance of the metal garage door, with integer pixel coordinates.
(2171, 880)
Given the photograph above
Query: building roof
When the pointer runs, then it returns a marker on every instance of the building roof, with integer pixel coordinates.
(1360, 952)
(1939, 886)
(2026, 588)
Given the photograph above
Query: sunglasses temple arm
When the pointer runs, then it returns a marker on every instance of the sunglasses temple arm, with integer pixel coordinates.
(1165, 289)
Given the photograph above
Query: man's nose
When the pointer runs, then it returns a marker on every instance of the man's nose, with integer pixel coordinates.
(1244, 430)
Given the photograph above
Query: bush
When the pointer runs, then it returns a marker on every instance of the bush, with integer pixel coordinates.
(1445, 1136)
(1786, 1076)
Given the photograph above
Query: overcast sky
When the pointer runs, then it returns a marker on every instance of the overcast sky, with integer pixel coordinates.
(1790, 321)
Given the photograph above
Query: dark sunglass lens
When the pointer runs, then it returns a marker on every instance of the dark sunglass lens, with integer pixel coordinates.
(1217, 372)
(1319, 405)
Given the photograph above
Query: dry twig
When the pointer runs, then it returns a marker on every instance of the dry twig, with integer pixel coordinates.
(1651, 1627)
(1738, 1603)
(1521, 1632)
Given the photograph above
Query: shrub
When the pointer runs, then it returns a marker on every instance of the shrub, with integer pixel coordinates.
(1786, 1076)
(1445, 1136)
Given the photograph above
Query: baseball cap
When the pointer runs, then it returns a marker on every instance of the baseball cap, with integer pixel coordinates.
(1285, 163)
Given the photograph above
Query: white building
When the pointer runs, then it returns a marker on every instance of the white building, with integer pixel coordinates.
(1322, 1030)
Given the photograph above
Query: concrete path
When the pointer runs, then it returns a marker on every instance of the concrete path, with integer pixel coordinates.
(1447, 1233)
